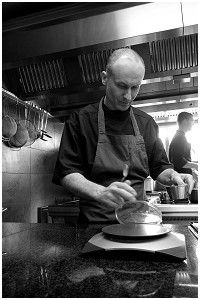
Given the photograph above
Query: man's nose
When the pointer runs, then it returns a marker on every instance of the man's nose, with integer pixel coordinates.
(128, 95)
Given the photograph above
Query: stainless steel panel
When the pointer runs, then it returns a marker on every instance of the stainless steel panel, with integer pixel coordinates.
(42, 76)
(169, 106)
(174, 53)
(37, 77)
(29, 79)
(55, 73)
(42, 63)
(22, 80)
(102, 28)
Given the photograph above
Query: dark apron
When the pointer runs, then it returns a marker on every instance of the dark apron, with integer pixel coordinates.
(113, 151)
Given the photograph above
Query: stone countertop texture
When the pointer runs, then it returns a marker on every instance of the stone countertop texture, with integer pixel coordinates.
(45, 261)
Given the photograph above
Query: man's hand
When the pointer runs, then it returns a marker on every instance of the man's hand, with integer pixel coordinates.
(169, 177)
(181, 179)
(117, 193)
(113, 195)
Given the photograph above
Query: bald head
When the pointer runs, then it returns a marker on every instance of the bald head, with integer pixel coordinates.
(122, 55)
(123, 76)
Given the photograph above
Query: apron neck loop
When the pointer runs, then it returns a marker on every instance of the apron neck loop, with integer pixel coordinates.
(101, 120)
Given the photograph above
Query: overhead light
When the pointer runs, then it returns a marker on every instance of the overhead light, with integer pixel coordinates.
(182, 78)
(155, 80)
(154, 103)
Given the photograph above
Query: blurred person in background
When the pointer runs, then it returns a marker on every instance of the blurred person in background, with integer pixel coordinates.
(180, 148)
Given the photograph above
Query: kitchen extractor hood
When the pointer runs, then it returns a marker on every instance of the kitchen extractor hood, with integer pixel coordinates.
(59, 65)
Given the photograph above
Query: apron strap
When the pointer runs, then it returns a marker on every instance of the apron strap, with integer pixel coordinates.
(101, 125)
(134, 123)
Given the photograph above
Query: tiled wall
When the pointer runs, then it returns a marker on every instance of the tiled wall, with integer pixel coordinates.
(27, 175)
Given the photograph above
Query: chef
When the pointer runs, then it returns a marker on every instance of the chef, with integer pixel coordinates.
(180, 148)
(99, 139)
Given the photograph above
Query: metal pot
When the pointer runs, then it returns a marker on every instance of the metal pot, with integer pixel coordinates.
(194, 196)
(178, 192)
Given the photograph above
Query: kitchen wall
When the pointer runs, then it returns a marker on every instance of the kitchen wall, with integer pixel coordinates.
(27, 175)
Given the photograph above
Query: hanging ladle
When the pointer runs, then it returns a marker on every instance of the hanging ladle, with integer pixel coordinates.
(44, 125)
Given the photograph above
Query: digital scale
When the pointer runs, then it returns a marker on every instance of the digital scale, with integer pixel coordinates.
(146, 238)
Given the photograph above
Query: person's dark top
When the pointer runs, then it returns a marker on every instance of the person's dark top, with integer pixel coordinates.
(180, 152)
(80, 136)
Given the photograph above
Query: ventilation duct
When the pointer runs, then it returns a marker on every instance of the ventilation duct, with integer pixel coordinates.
(60, 66)
(168, 54)
(43, 76)
(174, 53)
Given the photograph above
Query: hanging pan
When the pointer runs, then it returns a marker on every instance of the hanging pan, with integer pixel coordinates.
(21, 136)
(9, 125)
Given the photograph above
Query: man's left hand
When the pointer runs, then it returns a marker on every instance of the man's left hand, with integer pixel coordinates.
(182, 178)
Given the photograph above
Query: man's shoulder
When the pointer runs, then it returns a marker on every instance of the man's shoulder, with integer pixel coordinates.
(84, 112)
(178, 137)
(141, 114)
(89, 109)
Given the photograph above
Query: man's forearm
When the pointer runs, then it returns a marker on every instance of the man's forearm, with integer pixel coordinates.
(81, 187)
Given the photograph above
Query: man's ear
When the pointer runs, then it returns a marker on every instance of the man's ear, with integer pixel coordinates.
(104, 77)
(185, 122)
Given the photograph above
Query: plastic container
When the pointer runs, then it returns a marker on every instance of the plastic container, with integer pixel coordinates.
(140, 212)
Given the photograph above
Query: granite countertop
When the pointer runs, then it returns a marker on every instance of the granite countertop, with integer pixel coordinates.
(45, 261)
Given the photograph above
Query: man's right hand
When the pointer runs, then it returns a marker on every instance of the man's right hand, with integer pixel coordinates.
(117, 193)
(113, 195)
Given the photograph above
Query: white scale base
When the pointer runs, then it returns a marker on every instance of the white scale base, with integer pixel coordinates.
(171, 245)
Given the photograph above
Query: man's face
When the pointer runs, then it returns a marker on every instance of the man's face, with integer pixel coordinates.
(123, 84)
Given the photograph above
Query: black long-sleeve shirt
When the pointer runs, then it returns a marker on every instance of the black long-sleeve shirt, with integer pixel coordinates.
(80, 136)
(180, 152)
